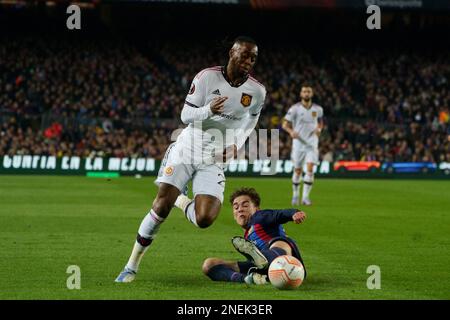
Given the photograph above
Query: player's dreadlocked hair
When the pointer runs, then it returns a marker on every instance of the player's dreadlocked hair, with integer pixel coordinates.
(251, 192)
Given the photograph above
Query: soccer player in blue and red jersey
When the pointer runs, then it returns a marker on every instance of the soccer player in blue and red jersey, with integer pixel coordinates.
(263, 241)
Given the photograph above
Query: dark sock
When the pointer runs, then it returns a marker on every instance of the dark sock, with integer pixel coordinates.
(222, 272)
(143, 241)
(271, 254)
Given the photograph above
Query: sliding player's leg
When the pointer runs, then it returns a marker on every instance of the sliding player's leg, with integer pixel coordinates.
(284, 246)
(262, 258)
(222, 270)
(232, 271)
(249, 250)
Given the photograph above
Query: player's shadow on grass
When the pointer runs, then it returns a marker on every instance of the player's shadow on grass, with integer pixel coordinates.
(187, 280)
(312, 283)
(320, 283)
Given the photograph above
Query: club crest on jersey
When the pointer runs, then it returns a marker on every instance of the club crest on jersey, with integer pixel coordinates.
(192, 89)
(168, 171)
(246, 99)
(314, 114)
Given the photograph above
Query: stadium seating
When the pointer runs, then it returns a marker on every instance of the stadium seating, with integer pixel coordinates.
(112, 98)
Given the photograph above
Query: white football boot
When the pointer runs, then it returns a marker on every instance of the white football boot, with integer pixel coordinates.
(127, 275)
(306, 202)
(256, 278)
(250, 251)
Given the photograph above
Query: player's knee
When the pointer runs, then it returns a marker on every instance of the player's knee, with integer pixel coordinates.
(309, 177)
(208, 264)
(206, 210)
(162, 206)
(298, 171)
(204, 220)
(283, 245)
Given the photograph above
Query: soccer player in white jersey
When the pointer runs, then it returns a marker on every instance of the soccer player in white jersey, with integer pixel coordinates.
(219, 98)
(304, 124)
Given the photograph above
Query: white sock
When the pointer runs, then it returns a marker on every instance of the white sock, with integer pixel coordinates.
(190, 213)
(182, 202)
(307, 184)
(295, 185)
(188, 207)
(148, 229)
(136, 256)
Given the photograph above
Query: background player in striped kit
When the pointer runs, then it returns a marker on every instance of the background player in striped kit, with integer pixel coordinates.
(264, 240)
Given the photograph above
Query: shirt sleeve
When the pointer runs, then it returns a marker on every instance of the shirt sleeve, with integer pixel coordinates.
(320, 115)
(190, 114)
(290, 115)
(256, 110)
(274, 217)
(194, 108)
(196, 97)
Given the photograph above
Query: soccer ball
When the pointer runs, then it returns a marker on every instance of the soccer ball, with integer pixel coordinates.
(286, 272)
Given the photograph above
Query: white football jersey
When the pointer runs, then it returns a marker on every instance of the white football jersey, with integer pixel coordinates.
(304, 122)
(242, 107)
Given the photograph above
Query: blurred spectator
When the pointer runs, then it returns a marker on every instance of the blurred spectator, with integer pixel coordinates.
(111, 99)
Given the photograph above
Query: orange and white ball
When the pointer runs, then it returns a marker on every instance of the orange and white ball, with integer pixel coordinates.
(286, 272)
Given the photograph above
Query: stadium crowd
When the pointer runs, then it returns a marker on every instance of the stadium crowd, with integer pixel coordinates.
(110, 98)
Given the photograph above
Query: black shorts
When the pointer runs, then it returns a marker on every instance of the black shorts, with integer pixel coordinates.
(292, 244)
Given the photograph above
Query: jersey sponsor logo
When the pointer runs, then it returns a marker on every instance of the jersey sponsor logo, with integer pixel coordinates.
(168, 171)
(314, 114)
(229, 117)
(246, 99)
(192, 89)
(250, 231)
(216, 92)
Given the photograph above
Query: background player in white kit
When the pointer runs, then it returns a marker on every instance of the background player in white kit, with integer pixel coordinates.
(220, 98)
(304, 124)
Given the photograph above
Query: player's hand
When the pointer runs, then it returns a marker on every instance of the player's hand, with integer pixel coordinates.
(230, 153)
(318, 131)
(299, 217)
(217, 104)
(294, 135)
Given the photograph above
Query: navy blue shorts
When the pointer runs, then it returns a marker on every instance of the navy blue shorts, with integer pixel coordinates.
(244, 266)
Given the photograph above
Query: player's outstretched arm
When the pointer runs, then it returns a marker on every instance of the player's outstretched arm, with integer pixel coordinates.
(299, 217)
(282, 216)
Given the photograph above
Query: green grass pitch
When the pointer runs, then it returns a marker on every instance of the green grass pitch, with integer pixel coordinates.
(48, 223)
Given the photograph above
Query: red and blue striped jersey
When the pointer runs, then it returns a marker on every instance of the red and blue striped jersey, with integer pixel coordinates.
(264, 225)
